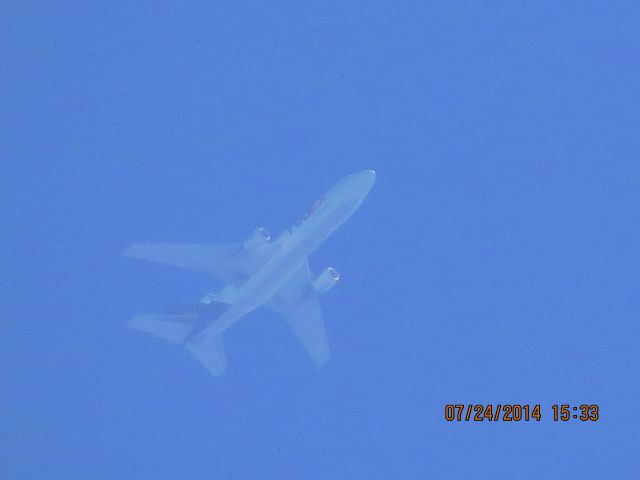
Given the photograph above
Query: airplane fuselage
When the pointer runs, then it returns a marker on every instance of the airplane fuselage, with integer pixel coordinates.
(295, 245)
(256, 272)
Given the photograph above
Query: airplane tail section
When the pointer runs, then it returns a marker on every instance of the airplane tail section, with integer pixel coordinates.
(207, 346)
(228, 295)
(209, 351)
(172, 328)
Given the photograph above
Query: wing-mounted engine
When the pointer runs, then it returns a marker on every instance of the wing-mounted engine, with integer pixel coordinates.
(326, 280)
(259, 238)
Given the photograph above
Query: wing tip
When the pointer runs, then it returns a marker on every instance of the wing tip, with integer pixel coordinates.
(132, 250)
(321, 359)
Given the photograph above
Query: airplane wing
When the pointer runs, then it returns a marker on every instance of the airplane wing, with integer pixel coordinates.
(298, 303)
(229, 263)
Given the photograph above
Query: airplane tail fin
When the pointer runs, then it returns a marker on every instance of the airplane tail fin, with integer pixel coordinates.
(209, 351)
(228, 295)
(173, 328)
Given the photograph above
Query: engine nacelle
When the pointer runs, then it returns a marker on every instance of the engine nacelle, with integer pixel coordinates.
(326, 280)
(259, 238)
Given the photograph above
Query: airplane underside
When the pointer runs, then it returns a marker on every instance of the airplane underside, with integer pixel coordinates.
(258, 272)
(297, 300)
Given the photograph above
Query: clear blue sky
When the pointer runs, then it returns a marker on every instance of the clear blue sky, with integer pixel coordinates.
(496, 259)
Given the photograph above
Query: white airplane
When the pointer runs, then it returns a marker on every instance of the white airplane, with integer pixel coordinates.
(258, 272)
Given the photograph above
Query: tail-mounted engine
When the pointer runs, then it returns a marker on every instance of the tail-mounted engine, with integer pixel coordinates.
(259, 238)
(326, 280)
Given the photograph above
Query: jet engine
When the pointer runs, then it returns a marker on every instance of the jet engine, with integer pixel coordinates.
(259, 238)
(326, 280)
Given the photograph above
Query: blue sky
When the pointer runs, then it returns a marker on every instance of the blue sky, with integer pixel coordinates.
(495, 260)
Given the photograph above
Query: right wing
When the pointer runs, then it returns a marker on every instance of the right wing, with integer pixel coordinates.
(229, 263)
(306, 320)
(298, 304)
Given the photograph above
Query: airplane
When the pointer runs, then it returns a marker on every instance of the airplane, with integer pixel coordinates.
(258, 272)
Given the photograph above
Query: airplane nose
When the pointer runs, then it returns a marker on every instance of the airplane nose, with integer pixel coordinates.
(370, 175)
(367, 179)
(355, 187)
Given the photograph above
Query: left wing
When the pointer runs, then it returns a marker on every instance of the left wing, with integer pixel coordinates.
(229, 263)
(298, 303)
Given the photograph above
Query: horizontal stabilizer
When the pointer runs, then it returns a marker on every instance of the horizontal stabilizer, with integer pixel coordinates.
(210, 352)
(173, 328)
